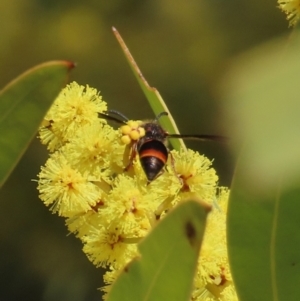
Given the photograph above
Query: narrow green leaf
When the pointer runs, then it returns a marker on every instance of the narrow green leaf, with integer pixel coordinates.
(155, 100)
(262, 92)
(286, 245)
(23, 103)
(249, 224)
(168, 259)
(263, 239)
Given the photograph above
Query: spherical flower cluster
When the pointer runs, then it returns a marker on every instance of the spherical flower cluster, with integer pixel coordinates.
(111, 207)
(132, 131)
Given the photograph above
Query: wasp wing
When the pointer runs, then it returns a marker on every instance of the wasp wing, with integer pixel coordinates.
(198, 137)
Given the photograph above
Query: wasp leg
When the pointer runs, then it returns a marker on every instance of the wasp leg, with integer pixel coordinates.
(173, 167)
(133, 152)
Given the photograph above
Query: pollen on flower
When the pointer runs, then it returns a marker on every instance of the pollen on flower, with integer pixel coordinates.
(131, 204)
(104, 246)
(74, 107)
(94, 149)
(292, 9)
(196, 174)
(82, 224)
(109, 278)
(213, 274)
(63, 187)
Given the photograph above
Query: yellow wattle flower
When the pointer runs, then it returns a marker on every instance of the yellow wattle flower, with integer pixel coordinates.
(110, 209)
(292, 9)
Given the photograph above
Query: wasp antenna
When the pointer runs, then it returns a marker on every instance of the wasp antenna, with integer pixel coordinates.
(118, 114)
(160, 115)
(108, 117)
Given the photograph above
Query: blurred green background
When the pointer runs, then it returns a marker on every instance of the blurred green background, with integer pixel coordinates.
(183, 49)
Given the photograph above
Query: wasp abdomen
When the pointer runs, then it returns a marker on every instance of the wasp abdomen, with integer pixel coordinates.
(153, 157)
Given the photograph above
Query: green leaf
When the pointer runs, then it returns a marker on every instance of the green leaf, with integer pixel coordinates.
(263, 223)
(23, 104)
(168, 261)
(155, 100)
(263, 239)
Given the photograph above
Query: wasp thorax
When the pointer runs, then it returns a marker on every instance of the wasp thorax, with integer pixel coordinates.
(132, 131)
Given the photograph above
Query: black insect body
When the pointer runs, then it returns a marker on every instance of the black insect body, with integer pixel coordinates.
(152, 147)
(152, 150)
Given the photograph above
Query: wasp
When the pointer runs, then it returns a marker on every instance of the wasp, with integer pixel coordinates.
(152, 146)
